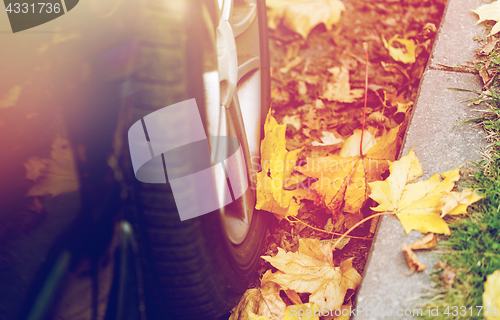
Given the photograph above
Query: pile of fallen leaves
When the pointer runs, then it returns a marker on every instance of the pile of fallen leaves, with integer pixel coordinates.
(318, 80)
(328, 156)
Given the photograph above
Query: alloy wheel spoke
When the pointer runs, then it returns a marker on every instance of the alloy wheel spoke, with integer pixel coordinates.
(246, 65)
(242, 17)
(238, 55)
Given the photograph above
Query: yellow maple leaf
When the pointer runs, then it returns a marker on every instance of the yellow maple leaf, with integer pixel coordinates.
(277, 167)
(454, 203)
(253, 316)
(345, 312)
(343, 179)
(491, 295)
(387, 146)
(351, 144)
(311, 270)
(261, 303)
(306, 311)
(417, 205)
(490, 12)
(406, 54)
(303, 16)
(339, 88)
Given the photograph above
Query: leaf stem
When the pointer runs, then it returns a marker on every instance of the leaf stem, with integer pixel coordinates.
(317, 229)
(356, 225)
(365, 47)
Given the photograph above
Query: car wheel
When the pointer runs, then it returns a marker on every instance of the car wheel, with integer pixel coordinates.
(217, 53)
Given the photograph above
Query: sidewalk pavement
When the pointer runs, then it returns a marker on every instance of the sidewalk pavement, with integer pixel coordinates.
(386, 282)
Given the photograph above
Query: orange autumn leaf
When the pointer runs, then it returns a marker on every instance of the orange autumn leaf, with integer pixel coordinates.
(264, 302)
(429, 241)
(343, 181)
(420, 205)
(411, 259)
(311, 270)
(277, 167)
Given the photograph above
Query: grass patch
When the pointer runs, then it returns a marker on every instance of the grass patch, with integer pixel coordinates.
(473, 248)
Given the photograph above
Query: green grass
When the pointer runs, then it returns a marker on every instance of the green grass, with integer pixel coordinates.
(473, 247)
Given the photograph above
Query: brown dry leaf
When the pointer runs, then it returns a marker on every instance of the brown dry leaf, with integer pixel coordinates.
(352, 218)
(488, 47)
(492, 74)
(417, 205)
(310, 79)
(411, 258)
(484, 74)
(378, 117)
(393, 100)
(55, 175)
(429, 241)
(339, 88)
(428, 31)
(291, 64)
(264, 301)
(449, 276)
(374, 224)
(311, 270)
(303, 16)
(392, 67)
(280, 96)
(315, 117)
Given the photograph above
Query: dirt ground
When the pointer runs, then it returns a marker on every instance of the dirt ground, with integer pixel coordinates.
(299, 77)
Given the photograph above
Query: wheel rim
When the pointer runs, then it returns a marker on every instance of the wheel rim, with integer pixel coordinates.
(233, 101)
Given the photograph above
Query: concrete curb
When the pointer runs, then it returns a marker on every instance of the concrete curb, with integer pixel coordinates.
(387, 290)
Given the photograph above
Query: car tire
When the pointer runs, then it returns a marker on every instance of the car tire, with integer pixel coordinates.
(191, 269)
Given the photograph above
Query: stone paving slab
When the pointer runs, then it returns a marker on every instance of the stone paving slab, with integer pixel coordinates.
(454, 43)
(438, 110)
(387, 286)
